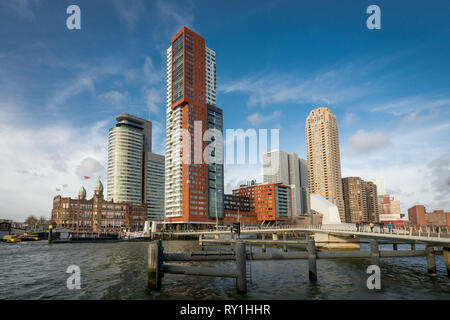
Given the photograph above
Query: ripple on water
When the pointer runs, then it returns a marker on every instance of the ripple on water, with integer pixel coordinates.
(37, 270)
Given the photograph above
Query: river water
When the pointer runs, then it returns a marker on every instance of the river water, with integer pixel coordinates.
(37, 270)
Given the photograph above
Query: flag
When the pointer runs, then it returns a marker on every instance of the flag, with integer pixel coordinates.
(86, 177)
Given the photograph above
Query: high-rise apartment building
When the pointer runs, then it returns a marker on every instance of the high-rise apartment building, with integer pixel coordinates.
(373, 213)
(324, 164)
(354, 199)
(360, 200)
(193, 188)
(134, 175)
(288, 169)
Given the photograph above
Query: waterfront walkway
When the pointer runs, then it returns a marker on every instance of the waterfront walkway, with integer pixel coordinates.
(424, 236)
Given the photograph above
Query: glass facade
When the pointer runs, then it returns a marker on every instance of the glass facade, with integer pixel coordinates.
(177, 69)
(215, 170)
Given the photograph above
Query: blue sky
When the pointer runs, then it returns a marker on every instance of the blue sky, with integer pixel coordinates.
(60, 89)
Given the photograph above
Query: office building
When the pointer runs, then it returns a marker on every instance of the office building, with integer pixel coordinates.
(193, 186)
(324, 164)
(288, 169)
(135, 174)
(155, 187)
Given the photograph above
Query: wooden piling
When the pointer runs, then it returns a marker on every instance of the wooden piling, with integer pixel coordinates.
(446, 252)
(154, 265)
(241, 279)
(284, 244)
(413, 246)
(375, 252)
(263, 237)
(431, 260)
(395, 247)
(50, 234)
(200, 241)
(312, 256)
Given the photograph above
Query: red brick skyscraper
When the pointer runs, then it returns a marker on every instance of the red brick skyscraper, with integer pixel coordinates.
(194, 189)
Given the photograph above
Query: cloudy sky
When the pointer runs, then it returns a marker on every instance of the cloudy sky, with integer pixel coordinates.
(60, 89)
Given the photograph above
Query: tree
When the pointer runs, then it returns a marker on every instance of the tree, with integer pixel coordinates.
(31, 221)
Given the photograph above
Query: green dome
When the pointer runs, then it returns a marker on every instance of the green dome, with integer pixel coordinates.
(82, 192)
(99, 185)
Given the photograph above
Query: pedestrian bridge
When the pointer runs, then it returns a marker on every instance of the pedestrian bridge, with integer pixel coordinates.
(427, 236)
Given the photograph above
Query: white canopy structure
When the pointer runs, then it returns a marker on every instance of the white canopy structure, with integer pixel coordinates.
(329, 210)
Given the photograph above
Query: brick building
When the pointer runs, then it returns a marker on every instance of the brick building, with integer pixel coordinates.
(97, 214)
(417, 215)
(268, 202)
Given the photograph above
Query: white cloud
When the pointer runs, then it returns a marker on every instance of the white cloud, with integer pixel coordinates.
(257, 119)
(366, 142)
(89, 167)
(234, 175)
(349, 119)
(129, 12)
(329, 87)
(151, 74)
(36, 159)
(113, 97)
(411, 106)
(155, 100)
(24, 9)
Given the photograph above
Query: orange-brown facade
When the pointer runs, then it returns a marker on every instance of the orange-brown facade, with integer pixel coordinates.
(189, 94)
(269, 202)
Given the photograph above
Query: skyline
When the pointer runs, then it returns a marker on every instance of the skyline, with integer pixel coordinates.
(390, 102)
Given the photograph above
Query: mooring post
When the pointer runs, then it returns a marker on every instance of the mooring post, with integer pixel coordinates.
(200, 241)
(284, 244)
(241, 280)
(263, 237)
(50, 235)
(413, 246)
(154, 265)
(446, 251)
(312, 260)
(395, 247)
(375, 250)
(431, 260)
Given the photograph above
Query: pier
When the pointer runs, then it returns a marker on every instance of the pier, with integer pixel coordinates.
(436, 244)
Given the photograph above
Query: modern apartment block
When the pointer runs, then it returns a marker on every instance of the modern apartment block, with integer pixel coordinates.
(269, 202)
(324, 164)
(288, 169)
(360, 200)
(373, 213)
(155, 186)
(354, 200)
(134, 173)
(193, 187)
(418, 216)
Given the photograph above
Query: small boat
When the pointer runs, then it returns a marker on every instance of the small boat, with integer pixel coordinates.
(11, 238)
(29, 237)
